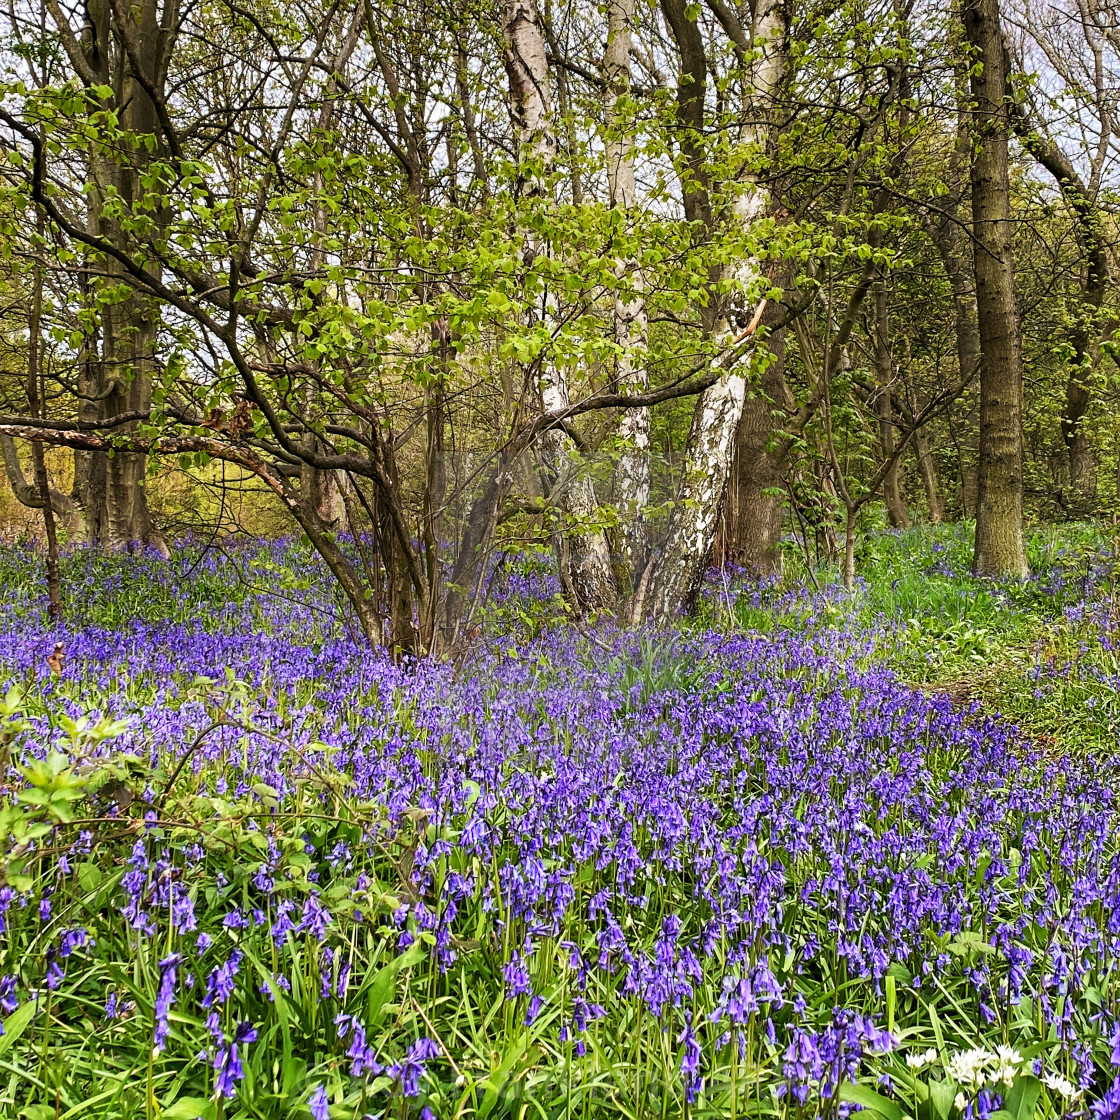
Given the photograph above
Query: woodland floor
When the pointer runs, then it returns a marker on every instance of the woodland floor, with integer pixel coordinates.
(807, 850)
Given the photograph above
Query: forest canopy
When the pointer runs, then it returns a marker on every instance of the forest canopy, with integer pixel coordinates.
(648, 283)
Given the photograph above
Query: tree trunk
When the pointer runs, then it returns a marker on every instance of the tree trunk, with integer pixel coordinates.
(466, 111)
(956, 260)
(588, 559)
(897, 515)
(340, 567)
(35, 404)
(54, 583)
(954, 249)
(677, 571)
(435, 489)
(632, 472)
(112, 491)
(927, 471)
(999, 548)
(754, 517)
(850, 549)
(1082, 461)
(1086, 340)
(470, 561)
(62, 506)
(1081, 196)
(88, 488)
(324, 490)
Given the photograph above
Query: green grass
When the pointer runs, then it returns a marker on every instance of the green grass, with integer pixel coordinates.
(1043, 652)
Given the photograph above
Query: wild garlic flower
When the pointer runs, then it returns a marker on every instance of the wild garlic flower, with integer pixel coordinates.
(1009, 1065)
(975, 1067)
(970, 1067)
(920, 1061)
(1065, 1088)
(961, 1102)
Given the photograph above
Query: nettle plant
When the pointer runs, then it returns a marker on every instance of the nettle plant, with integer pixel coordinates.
(56, 785)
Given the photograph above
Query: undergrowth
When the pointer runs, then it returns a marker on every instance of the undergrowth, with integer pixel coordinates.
(776, 861)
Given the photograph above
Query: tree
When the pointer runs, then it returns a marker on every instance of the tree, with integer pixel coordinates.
(632, 474)
(582, 550)
(1000, 549)
(734, 313)
(1083, 50)
(432, 277)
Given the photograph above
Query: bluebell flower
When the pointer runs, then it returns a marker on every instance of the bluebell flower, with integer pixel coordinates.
(320, 1108)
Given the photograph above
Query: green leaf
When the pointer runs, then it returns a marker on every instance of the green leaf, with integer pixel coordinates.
(935, 1022)
(969, 941)
(493, 1084)
(942, 1095)
(15, 1024)
(1022, 1097)
(190, 1108)
(384, 984)
(871, 1101)
(900, 973)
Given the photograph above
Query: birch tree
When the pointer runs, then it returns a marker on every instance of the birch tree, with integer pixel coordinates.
(582, 549)
(632, 471)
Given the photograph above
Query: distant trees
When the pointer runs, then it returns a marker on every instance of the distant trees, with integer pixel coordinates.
(1081, 47)
(645, 282)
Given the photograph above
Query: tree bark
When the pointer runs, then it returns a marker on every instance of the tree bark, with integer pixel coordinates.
(927, 471)
(850, 549)
(999, 546)
(340, 567)
(897, 514)
(632, 472)
(584, 545)
(754, 515)
(677, 571)
(38, 453)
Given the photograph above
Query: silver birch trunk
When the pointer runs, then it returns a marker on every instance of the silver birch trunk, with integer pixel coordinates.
(631, 326)
(582, 548)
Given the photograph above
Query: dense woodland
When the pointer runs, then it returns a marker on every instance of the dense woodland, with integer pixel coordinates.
(560, 560)
(653, 283)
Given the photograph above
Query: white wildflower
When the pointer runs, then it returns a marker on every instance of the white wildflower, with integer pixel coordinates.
(920, 1061)
(1009, 1064)
(961, 1101)
(970, 1067)
(1065, 1089)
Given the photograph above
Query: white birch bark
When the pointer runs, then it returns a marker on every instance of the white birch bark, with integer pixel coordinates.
(583, 552)
(632, 472)
(674, 576)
